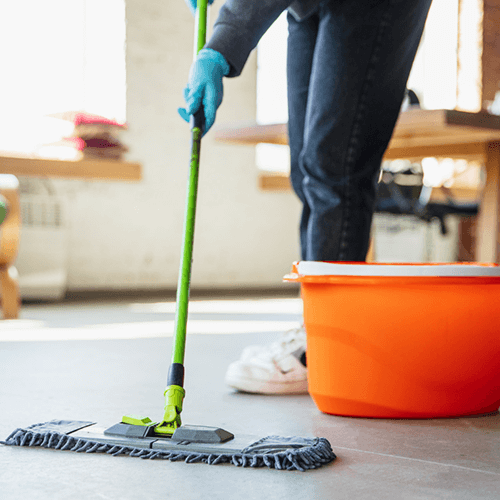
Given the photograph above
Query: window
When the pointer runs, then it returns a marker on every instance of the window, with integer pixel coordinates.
(57, 56)
(272, 104)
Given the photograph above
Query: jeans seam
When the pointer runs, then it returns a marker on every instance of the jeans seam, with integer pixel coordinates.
(355, 133)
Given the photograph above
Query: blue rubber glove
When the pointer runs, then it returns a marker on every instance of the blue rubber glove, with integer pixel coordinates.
(192, 5)
(204, 87)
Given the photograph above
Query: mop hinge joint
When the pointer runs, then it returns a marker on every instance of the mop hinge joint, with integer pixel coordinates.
(174, 397)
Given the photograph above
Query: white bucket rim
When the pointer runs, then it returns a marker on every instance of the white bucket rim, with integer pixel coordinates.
(313, 268)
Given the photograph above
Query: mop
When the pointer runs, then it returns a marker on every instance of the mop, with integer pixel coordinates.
(138, 436)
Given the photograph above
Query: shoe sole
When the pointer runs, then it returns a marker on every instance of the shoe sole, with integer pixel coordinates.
(252, 387)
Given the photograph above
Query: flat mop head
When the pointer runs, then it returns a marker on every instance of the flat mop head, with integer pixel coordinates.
(192, 444)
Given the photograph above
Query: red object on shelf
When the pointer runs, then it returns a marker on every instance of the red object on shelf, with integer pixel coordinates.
(84, 118)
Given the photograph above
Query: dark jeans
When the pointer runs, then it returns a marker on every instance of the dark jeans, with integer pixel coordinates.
(348, 65)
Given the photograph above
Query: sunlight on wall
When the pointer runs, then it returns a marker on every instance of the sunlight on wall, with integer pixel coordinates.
(271, 74)
(469, 94)
(57, 56)
(434, 72)
(272, 105)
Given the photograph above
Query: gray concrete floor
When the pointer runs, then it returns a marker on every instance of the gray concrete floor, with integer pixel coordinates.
(99, 360)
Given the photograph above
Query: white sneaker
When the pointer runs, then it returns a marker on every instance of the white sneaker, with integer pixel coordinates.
(278, 368)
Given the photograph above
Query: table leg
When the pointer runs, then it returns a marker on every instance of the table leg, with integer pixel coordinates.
(9, 244)
(488, 228)
(371, 256)
(11, 300)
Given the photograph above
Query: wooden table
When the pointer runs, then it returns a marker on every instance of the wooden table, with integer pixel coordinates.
(420, 134)
(99, 169)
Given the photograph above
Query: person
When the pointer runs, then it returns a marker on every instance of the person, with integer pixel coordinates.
(348, 63)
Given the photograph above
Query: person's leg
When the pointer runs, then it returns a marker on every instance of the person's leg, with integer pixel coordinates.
(363, 55)
(300, 54)
(337, 140)
(280, 367)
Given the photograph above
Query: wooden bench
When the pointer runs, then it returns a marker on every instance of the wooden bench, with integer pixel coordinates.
(420, 134)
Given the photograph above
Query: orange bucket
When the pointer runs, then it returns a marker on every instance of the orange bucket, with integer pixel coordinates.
(402, 340)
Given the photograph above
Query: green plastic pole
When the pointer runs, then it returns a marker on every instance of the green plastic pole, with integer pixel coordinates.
(183, 284)
(174, 393)
(200, 29)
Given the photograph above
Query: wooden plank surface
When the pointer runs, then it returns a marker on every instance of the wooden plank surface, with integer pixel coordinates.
(415, 128)
(82, 169)
(253, 134)
(410, 148)
(276, 181)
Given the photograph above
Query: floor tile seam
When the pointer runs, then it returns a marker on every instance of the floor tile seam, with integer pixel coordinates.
(429, 462)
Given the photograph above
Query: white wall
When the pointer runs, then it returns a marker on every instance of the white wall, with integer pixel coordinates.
(128, 235)
(434, 73)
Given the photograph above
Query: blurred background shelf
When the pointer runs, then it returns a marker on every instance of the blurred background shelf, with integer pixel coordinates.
(420, 134)
(80, 169)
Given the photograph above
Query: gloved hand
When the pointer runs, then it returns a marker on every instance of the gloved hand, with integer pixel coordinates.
(204, 87)
(192, 5)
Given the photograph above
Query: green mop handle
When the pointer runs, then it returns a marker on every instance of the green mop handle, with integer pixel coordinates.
(174, 393)
(176, 372)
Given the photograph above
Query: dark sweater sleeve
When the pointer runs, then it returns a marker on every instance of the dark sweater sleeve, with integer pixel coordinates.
(240, 26)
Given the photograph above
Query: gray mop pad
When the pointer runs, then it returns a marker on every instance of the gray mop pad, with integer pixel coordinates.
(275, 452)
